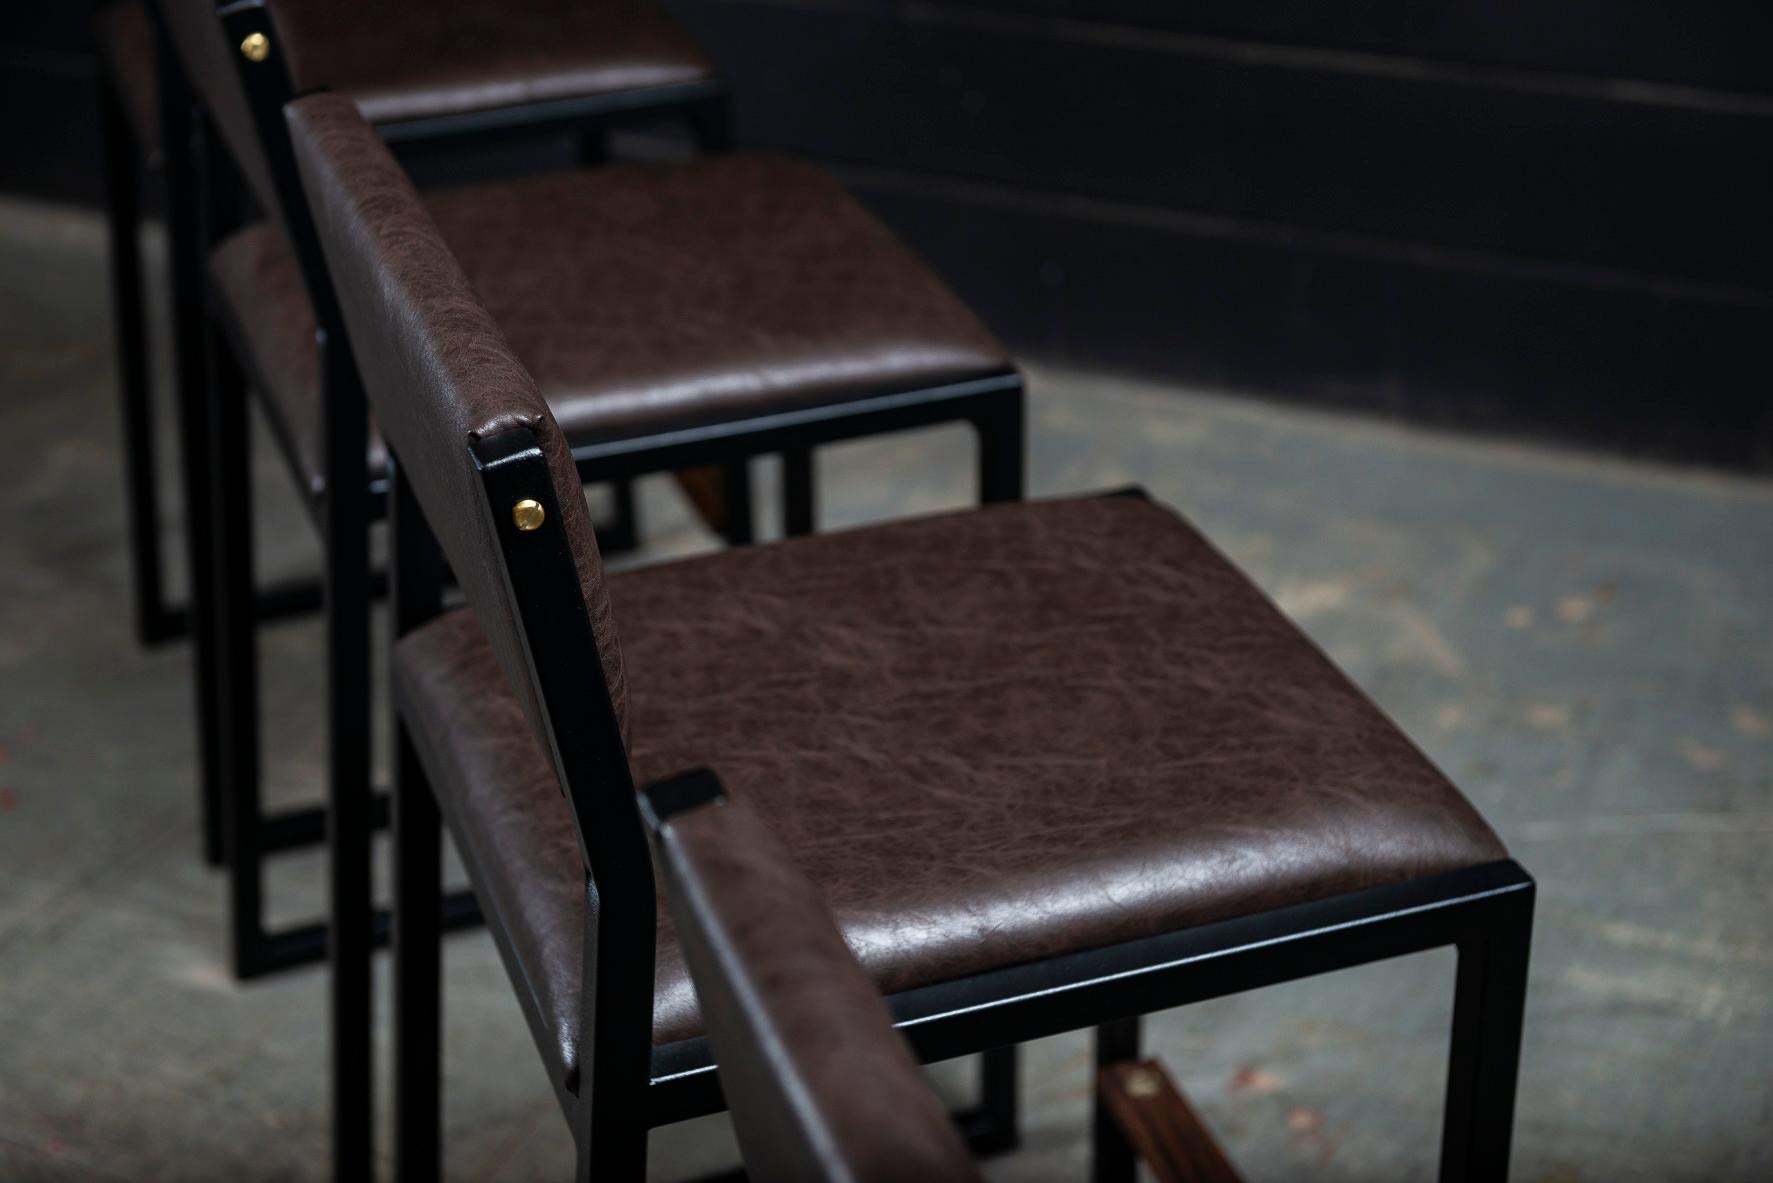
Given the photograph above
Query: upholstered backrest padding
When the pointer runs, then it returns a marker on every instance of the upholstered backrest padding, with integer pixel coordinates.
(438, 373)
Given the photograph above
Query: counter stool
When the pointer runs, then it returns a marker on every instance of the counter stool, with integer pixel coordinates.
(681, 314)
(1051, 765)
(435, 77)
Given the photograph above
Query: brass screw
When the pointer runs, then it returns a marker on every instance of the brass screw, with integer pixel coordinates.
(1143, 1084)
(256, 47)
(528, 514)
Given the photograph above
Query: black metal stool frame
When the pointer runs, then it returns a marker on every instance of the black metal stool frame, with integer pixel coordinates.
(625, 1087)
(993, 405)
(158, 618)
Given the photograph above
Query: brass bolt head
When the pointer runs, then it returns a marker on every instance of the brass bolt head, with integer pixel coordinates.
(1142, 1084)
(528, 514)
(256, 47)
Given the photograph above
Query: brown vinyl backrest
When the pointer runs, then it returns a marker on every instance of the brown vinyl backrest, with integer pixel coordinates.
(439, 375)
(209, 63)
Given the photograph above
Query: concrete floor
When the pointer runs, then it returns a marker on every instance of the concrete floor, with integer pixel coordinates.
(1582, 644)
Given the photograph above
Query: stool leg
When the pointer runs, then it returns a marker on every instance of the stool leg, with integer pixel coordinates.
(1000, 1099)
(712, 124)
(735, 497)
(1489, 1002)
(123, 214)
(610, 1113)
(799, 493)
(622, 531)
(418, 956)
(416, 594)
(1115, 1162)
(350, 818)
(233, 635)
(1000, 430)
(592, 147)
(604, 1159)
(191, 364)
(226, 456)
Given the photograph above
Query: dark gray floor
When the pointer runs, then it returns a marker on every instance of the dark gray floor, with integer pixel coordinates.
(1581, 644)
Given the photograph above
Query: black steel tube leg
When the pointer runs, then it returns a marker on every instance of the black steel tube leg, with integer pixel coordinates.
(799, 493)
(627, 510)
(1001, 446)
(610, 1112)
(351, 931)
(999, 1099)
(601, 1160)
(1114, 1160)
(622, 531)
(592, 148)
(735, 497)
(141, 493)
(417, 596)
(190, 368)
(234, 636)
(1489, 1002)
(418, 949)
(711, 123)
(227, 455)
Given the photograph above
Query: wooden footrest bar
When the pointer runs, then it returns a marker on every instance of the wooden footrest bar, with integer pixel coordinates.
(1161, 1126)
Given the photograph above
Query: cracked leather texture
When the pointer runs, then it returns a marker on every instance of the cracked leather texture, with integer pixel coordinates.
(987, 738)
(124, 35)
(650, 297)
(401, 60)
(819, 1083)
(418, 329)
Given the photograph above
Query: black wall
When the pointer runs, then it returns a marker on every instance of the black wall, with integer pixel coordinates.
(48, 113)
(1549, 214)
(1543, 213)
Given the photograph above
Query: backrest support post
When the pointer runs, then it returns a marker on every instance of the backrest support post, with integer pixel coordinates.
(585, 741)
(481, 454)
(417, 572)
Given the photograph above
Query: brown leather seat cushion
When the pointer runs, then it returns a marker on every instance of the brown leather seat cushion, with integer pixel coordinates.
(988, 738)
(125, 39)
(649, 297)
(403, 61)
